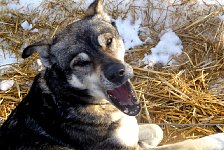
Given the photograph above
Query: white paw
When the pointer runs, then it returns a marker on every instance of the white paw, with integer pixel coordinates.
(151, 134)
(217, 141)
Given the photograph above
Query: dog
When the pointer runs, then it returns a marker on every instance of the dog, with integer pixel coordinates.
(84, 99)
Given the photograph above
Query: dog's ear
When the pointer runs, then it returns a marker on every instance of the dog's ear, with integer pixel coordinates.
(42, 47)
(96, 8)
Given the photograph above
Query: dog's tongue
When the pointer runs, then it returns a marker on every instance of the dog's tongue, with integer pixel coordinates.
(122, 94)
(124, 98)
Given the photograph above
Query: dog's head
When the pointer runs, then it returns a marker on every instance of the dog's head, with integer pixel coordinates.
(90, 53)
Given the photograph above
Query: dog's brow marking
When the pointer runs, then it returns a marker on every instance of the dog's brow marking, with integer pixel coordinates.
(84, 56)
(75, 82)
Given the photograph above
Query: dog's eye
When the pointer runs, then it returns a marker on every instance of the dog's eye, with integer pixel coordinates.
(109, 41)
(81, 63)
(80, 60)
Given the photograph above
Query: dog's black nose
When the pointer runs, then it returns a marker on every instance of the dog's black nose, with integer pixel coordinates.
(115, 72)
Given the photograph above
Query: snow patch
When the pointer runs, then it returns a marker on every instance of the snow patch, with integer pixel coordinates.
(83, 4)
(26, 26)
(221, 17)
(129, 32)
(170, 45)
(35, 30)
(7, 58)
(24, 5)
(211, 2)
(118, 4)
(6, 85)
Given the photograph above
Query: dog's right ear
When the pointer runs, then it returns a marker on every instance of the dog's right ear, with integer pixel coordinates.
(96, 8)
(42, 47)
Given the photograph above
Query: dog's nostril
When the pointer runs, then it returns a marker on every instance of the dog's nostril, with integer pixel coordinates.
(121, 72)
(115, 72)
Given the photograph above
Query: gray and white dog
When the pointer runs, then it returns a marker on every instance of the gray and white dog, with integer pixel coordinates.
(83, 99)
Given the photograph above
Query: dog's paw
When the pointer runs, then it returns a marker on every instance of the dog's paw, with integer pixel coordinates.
(211, 142)
(150, 134)
(214, 141)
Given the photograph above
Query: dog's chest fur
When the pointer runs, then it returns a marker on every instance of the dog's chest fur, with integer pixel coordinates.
(111, 126)
(127, 133)
(103, 124)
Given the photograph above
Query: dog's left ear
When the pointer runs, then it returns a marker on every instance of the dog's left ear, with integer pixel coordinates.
(96, 8)
(43, 48)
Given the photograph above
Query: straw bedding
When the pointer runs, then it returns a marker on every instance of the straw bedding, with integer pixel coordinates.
(186, 99)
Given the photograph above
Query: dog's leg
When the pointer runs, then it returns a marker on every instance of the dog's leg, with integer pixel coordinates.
(212, 142)
(150, 135)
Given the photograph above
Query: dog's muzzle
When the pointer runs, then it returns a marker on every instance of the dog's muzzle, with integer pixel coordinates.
(122, 95)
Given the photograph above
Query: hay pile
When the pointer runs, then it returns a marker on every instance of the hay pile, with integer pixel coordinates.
(187, 99)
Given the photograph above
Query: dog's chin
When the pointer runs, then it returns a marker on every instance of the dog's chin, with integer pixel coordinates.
(125, 99)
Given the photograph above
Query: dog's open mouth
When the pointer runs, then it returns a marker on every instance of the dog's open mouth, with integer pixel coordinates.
(124, 98)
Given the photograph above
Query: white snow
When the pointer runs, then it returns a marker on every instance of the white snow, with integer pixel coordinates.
(170, 45)
(211, 2)
(162, 15)
(6, 85)
(26, 26)
(7, 58)
(24, 5)
(34, 20)
(119, 4)
(221, 17)
(83, 4)
(35, 30)
(129, 32)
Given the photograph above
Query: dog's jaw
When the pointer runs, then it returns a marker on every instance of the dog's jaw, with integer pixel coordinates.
(122, 95)
(125, 99)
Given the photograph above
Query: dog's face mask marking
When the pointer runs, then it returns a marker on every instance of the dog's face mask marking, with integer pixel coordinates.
(90, 53)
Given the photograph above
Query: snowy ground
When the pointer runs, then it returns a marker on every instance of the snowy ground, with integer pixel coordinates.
(170, 45)
(7, 58)
(163, 13)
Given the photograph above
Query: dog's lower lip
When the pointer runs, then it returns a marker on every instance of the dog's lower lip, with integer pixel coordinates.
(124, 98)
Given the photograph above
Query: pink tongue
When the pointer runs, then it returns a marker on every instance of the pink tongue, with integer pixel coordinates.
(122, 95)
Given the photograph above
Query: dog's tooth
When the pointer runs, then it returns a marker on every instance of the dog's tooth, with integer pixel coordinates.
(132, 112)
(126, 110)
